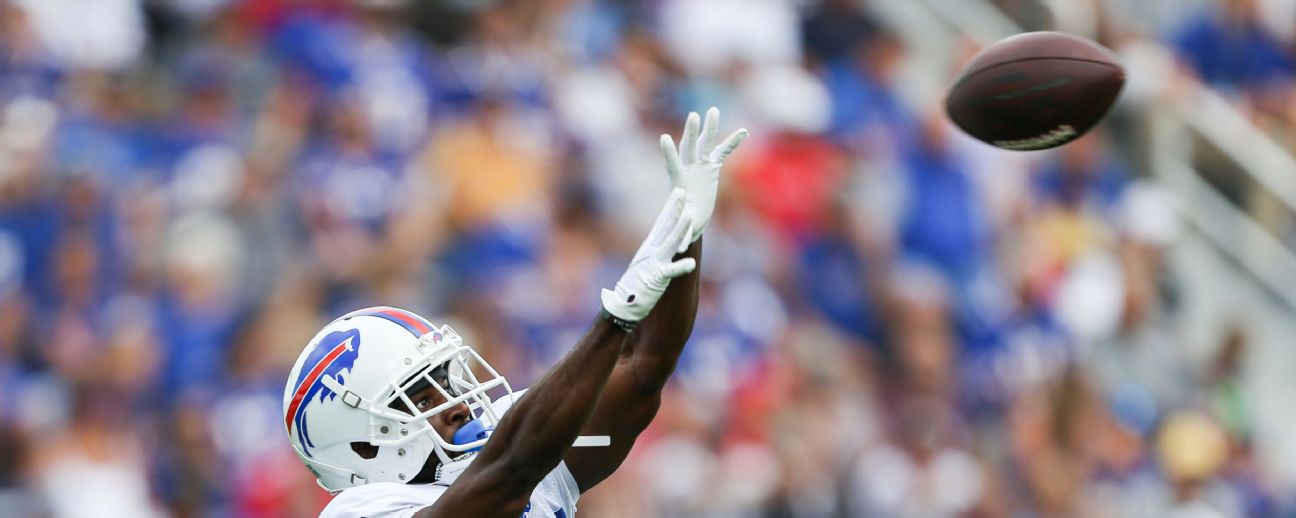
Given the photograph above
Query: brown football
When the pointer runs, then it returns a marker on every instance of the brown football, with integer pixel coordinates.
(1035, 90)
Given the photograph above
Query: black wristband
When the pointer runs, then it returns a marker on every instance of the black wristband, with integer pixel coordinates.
(626, 325)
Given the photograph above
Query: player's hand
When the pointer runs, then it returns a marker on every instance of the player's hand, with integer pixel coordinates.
(695, 165)
(652, 268)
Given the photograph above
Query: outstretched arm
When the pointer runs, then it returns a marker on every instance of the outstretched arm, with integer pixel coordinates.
(633, 393)
(539, 429)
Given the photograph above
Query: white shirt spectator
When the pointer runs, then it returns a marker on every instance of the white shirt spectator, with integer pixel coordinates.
(92, 34)
(707, 35)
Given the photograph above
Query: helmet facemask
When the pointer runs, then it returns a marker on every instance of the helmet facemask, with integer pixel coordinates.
(458, 374)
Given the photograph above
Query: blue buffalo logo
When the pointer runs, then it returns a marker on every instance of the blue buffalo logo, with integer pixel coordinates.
(334, 353)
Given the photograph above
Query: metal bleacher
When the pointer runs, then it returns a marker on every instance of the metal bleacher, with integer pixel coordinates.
(1235, 267)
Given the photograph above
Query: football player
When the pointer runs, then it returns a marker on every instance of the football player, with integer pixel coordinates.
(397, 417)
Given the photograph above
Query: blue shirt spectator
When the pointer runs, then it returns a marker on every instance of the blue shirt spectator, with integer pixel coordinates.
(943, 222)
(1234, 51)
(833, 281)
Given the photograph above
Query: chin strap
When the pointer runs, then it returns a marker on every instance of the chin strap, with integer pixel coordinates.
(350, 398)
(446, 474)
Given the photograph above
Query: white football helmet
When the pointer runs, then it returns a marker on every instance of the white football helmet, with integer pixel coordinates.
(343, 385)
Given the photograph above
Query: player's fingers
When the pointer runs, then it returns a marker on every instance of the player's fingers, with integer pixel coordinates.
(689, 141)
(710, 128)
(680, 267)
(659, 230)
(684, 243)
(674, 167)
(668, 219)
(676, 241)
(731, 143)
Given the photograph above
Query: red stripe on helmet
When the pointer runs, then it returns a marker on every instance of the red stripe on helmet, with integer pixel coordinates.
(310, 380)
(413, 321)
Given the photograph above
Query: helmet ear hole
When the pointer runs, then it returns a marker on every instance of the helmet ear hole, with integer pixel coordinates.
(364, 450)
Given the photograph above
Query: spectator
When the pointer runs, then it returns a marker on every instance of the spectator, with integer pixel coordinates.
(187, 190)
(1229, 48)
(833, 29)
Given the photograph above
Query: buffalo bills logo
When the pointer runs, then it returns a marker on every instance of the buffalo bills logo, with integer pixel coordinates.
(335, 353)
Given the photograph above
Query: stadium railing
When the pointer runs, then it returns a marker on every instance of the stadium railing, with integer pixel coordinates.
(1227, 242)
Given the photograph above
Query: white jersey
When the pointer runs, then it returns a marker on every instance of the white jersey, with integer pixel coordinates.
(554, 497)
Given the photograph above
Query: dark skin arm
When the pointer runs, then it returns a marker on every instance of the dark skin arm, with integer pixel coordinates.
(536, 432)
(633, 393)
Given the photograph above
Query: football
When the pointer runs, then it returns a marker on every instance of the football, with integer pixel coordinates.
(1035, 90)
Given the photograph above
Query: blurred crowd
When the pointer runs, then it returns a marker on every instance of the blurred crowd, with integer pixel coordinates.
(895, 321)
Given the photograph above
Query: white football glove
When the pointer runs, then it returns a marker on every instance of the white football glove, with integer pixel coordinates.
(695, 166)
(651, 270)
